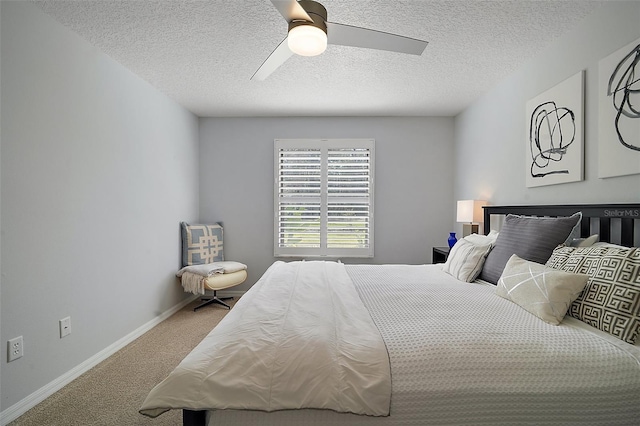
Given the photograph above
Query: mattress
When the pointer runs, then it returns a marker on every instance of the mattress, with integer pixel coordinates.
(461, 355)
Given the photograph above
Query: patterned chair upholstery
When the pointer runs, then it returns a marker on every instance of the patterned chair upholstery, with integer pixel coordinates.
(203, 245)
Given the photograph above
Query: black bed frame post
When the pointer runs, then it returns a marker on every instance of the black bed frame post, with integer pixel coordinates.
(487, 221)
(194, 418)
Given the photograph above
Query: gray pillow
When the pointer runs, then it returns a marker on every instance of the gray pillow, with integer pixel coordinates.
(531, 238)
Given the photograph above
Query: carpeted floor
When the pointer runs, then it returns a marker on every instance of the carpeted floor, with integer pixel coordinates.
(112, 392)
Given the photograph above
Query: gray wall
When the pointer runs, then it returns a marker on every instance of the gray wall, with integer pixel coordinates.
(413, 182)
(491, 135)
(98, 168)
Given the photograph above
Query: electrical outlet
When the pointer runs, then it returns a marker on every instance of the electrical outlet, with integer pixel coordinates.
(65, 327)
(15, 348)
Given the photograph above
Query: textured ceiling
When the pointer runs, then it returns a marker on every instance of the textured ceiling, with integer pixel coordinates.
(202, 54)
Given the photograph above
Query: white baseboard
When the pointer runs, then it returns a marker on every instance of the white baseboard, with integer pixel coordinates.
(27, 403)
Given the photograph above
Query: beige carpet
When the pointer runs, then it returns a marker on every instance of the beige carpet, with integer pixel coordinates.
(112, 392)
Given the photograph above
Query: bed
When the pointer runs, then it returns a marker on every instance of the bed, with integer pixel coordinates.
(455, 352)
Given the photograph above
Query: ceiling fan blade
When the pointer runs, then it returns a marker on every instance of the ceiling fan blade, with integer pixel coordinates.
(347, 35)
(291, 10)
(277, 58)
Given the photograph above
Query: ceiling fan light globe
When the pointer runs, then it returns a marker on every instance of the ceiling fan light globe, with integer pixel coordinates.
(307, 40)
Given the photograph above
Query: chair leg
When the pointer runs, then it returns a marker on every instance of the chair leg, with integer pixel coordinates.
(214, 299)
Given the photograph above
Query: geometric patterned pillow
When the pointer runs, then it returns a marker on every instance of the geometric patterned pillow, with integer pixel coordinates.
(611, 299)
(201, 244)
(579, 260)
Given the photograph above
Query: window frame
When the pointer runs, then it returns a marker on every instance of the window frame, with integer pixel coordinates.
(324, 146)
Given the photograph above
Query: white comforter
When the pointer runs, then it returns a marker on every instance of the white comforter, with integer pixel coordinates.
(462, 356)
(301, 338)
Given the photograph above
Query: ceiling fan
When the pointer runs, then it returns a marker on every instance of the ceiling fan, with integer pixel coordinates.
(309, 32)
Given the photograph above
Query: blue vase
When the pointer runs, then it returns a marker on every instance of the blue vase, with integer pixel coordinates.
(452, 239)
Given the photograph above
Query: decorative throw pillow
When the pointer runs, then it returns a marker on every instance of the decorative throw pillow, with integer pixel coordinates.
(611, 299)
(481, 240)
(581, 260)
(465, 260)
(201, 244)
(543, 291)
(531, 238)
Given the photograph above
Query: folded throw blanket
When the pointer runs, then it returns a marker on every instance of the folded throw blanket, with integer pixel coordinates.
(193, 282)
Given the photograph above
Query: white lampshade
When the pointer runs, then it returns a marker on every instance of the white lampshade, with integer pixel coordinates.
(307, 40)
(470, 211)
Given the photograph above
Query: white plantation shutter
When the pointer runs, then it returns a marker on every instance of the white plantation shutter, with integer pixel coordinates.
(299, 197)
(348, 197)
(324, 197)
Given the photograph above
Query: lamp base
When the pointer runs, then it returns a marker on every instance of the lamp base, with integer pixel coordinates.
(469, 228)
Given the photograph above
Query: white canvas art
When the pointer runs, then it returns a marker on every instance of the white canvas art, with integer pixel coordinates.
(619, 112)
(555, 143)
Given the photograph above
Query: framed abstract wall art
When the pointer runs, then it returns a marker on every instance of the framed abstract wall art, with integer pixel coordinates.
(555, 144)
(619, 112)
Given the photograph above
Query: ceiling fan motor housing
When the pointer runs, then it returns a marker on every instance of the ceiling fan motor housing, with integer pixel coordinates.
(316, 11)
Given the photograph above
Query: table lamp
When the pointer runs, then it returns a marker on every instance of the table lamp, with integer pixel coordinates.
(470, 213)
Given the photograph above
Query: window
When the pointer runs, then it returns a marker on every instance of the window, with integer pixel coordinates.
(324, 197)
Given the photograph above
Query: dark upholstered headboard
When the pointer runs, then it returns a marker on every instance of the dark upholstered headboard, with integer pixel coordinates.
(615, 223)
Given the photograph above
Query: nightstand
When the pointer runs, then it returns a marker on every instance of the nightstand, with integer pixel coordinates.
(440, 254)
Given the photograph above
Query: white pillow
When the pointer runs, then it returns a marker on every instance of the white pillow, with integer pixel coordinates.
(481, 240)
(541, 290)
(465, 260)
(575, 232)
(585, 242)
